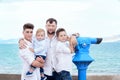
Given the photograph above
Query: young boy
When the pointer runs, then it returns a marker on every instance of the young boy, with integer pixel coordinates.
(40, 49)
(63, 56)
(28, 57)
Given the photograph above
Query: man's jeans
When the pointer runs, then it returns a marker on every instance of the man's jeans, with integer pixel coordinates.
(63, 75)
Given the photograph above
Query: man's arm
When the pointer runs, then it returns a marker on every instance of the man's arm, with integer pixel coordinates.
(28, 56)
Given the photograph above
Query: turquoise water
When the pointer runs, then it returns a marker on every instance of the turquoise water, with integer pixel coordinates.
(106, 55)
(9, 61)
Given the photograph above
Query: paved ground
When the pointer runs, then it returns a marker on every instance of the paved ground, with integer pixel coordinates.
(89, 77)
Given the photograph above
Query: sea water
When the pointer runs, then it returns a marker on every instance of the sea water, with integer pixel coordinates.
(106, 59)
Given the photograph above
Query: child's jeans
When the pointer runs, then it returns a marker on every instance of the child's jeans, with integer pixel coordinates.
(63, 75)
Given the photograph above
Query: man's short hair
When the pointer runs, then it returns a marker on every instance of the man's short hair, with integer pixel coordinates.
(51, 20)
(28, 26)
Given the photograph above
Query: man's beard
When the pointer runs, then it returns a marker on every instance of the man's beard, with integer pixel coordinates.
(52, 33)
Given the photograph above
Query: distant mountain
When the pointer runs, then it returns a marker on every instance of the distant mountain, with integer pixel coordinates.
(9, 41)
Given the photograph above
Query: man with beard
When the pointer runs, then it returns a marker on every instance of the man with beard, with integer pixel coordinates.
(51, 25)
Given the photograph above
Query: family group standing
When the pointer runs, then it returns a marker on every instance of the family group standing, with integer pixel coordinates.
(51, 54)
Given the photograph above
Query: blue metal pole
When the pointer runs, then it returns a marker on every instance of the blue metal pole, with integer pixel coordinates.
(82, 74)
(82, 68)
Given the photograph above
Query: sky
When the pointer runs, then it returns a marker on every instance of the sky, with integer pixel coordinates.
(92, 18)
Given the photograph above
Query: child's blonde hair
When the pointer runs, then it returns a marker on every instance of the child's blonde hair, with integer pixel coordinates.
(40, 30)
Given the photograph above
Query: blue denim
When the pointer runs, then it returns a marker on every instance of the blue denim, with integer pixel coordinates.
(63, 75)
(50, 77)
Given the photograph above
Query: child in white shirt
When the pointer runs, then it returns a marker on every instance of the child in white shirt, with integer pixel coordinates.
(40, 49)
(63, 56)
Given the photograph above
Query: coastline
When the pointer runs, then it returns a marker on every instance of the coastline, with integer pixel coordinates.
(89, 77)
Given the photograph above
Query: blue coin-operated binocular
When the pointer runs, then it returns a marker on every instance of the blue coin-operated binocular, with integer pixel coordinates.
(82, 58)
